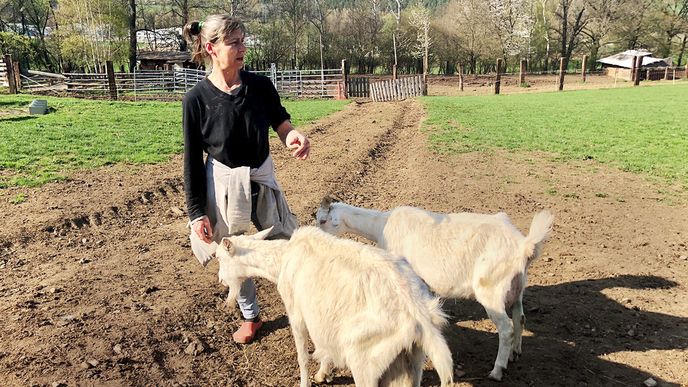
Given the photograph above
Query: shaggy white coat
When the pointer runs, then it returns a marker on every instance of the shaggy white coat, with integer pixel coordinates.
(363, 307)
(462, 255)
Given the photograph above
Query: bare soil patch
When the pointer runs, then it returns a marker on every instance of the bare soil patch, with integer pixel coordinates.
(100, 287)
(509, 84)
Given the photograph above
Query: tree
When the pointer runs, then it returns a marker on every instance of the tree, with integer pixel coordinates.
(571, 15)
(317, 15)
(92, 32)
(513, 25)
(396, 11)
(361, 34)
(18, 46)
(294, 12)
(419, 17)
(132, 35)
(632, 25)
(670, 20)
(35, 17)
(602, 16)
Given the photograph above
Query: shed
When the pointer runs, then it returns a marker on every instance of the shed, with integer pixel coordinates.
(620, 65)
(159, 60)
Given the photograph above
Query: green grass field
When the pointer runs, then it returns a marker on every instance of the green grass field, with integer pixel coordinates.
(82, 134)
(641, 129)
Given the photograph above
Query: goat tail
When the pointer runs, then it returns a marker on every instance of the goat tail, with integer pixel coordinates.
(434, 345)
(540, 228)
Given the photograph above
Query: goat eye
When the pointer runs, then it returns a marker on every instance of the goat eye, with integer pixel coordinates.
(323, 221)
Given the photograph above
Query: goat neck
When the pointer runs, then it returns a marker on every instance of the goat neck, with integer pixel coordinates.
(364, 222)
(262, 258)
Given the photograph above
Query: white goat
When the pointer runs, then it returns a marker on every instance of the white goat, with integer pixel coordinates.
(363, 307)
(461, 255)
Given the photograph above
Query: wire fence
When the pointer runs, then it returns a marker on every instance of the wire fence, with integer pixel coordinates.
(294, 83)
(319, 83)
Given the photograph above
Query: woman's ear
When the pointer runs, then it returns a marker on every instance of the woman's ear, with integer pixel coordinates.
(209, 48)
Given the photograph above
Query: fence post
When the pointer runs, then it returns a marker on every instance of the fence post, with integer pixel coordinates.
(638, 68)
(633, 68)
(112, 86)
(273, 74)
(345, 78)
(562, 72)
(666, 73)
(461, 77)
(585, 66)
(522, 73)
(9, 68)
(17, 76)
(686, 70)
(498, 79)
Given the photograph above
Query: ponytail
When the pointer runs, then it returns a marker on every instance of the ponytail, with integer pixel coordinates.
(213, 29)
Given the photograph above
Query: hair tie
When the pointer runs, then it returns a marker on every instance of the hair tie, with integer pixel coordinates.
(196, 28)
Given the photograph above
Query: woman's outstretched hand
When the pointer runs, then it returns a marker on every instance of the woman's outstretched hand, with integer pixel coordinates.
(298, 142)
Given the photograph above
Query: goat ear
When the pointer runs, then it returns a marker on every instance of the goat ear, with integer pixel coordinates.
(263, 234)
(326, 202)
(227, 244)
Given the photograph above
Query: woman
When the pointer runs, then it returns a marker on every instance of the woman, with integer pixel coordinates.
(227, 116)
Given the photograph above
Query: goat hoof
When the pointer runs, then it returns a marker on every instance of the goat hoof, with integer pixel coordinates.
(514, 356)
(496, 374)
(322, 378)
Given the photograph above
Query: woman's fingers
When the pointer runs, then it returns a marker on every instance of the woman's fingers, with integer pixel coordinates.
(204, 230)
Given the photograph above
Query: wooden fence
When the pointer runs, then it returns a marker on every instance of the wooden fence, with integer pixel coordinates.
(3, 74)
(139, 82)
(662, 73)
(397, 89)
(358, 87)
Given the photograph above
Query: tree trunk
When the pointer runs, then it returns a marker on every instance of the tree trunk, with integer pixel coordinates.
(683, 49)
(185, 21)
(594, 51)
(132, 35)
(426, 29)
(564, 28)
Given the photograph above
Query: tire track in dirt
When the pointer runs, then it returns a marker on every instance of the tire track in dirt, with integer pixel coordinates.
(131, 282)
(117, 270)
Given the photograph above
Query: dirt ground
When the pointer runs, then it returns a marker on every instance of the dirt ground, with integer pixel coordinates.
(484, 84)
(100, 287)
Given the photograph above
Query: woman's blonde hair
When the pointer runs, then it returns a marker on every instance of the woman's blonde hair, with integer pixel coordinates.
(215, 28)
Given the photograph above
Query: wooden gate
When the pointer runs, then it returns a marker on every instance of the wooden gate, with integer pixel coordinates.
(358, 87)
(397, 89)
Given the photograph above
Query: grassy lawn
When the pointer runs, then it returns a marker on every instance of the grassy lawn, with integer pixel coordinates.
(641, 129)
(82, 134)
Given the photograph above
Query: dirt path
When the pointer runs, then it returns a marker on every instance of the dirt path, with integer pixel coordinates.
(100, 288)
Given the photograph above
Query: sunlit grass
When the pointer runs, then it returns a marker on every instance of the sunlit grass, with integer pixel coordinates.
(641, 129)
(82, 134)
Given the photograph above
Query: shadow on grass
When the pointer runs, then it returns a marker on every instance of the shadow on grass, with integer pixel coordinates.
(16, 118)
(18, 104)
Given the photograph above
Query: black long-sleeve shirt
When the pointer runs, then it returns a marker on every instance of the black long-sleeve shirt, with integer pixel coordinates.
(232, 128)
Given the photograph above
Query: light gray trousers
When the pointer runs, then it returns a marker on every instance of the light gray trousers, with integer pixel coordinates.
(218, 190)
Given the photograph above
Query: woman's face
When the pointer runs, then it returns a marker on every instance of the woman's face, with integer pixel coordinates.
(228, 54)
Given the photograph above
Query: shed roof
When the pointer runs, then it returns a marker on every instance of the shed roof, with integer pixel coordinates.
(165, 56)
(625, 59)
